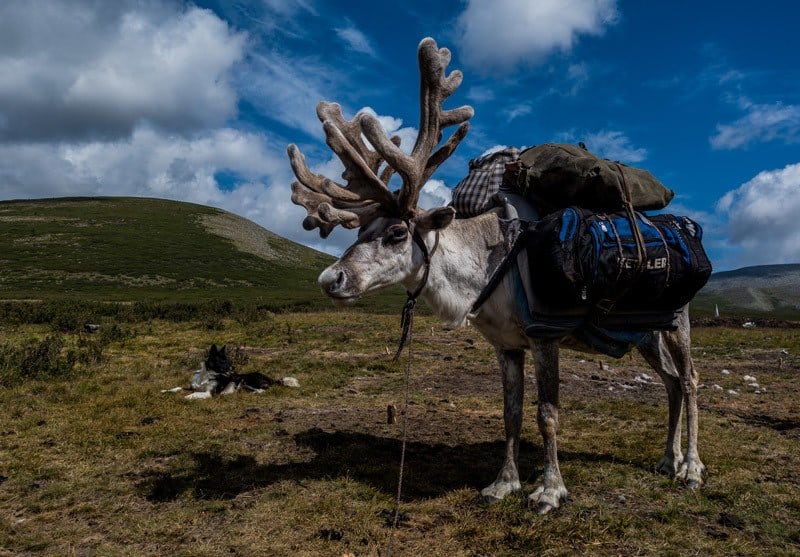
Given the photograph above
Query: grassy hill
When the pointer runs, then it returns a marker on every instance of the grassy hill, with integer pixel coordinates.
(136, 249)
(121, 249)
(766, 290)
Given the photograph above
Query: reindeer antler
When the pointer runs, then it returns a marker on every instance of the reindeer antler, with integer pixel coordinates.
(367, 195)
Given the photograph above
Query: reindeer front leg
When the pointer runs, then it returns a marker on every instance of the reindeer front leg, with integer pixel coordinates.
(552, 492)
(512, 365)
(678, 342)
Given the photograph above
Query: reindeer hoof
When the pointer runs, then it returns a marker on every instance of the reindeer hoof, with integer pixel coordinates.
(543, 508)
(669, 466)
(498, 491)
(545, 500)
(692, 474)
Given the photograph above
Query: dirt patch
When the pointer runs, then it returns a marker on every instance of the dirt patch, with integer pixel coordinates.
(245, 235)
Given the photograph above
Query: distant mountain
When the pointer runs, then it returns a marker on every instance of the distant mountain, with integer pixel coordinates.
(766, 290)
(134, 248)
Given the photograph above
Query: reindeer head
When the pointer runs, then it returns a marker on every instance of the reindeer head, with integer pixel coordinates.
(391, 246)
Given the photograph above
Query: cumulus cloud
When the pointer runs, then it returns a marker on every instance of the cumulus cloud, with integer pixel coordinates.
(761, 123)
(496, 37)
(434, 194)
(761, 218)
(79, 70)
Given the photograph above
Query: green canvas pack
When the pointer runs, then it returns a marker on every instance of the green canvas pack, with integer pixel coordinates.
(557, 175)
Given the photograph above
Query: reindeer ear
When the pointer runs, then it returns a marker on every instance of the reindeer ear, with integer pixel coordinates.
(222, 352)
(435, 219)
(213, 350)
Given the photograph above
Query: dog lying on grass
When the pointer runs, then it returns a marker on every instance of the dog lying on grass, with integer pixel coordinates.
(216, 376)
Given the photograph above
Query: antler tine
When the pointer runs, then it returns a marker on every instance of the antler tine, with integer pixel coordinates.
(328, 204)
(361, 164)
(435, 87)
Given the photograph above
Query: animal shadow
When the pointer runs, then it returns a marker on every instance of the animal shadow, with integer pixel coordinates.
(431, 469)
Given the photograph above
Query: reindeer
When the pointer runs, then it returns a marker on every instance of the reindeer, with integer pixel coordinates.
(448, 262)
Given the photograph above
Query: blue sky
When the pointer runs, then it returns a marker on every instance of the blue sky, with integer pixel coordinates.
(197, 101)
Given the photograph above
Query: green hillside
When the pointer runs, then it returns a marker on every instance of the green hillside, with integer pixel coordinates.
(121, 249)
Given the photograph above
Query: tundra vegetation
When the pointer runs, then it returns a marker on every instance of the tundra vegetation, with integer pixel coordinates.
(94, 459)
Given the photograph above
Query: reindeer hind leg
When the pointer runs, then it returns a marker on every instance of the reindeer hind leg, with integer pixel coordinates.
(656, 353)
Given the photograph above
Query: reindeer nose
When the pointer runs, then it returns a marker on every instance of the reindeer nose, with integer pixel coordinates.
(331, 281)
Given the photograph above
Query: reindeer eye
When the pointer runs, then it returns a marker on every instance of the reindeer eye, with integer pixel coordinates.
(395, 235)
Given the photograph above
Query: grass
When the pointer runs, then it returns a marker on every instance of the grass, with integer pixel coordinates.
(101, 463)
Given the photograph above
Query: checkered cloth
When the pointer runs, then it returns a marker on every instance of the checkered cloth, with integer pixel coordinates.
(472, 194)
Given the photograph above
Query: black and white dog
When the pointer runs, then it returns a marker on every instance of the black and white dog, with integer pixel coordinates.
(216, 376)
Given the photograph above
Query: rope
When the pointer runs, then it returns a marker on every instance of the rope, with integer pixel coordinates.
(408, 329)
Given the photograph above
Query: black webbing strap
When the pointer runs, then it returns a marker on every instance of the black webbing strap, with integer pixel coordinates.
(407, 317)
(606, 305)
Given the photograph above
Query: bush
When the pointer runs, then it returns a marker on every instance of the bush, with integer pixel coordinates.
(36, 359)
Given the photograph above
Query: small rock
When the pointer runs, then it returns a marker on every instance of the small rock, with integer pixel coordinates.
(733, 392)
(330, 535)
(716, 387)
(172, 390)
(754, 385)
(647, 377)
(702, 386)
(730, 520)
(785, 352)
(91, 327)
(388, 516)
(725, 372)
(611, 388)
(622, 500)
(290, 382)
(748, 324)
(749, 379)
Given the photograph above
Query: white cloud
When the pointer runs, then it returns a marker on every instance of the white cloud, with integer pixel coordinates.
(394, 126)
(609, 144)
(355, 40)
(498, 36)
(288, 89)
(578, 76)
(760, 124)
(761, 218)
(77, 71)
(434, 194)
(480, 93)
(522, 109)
